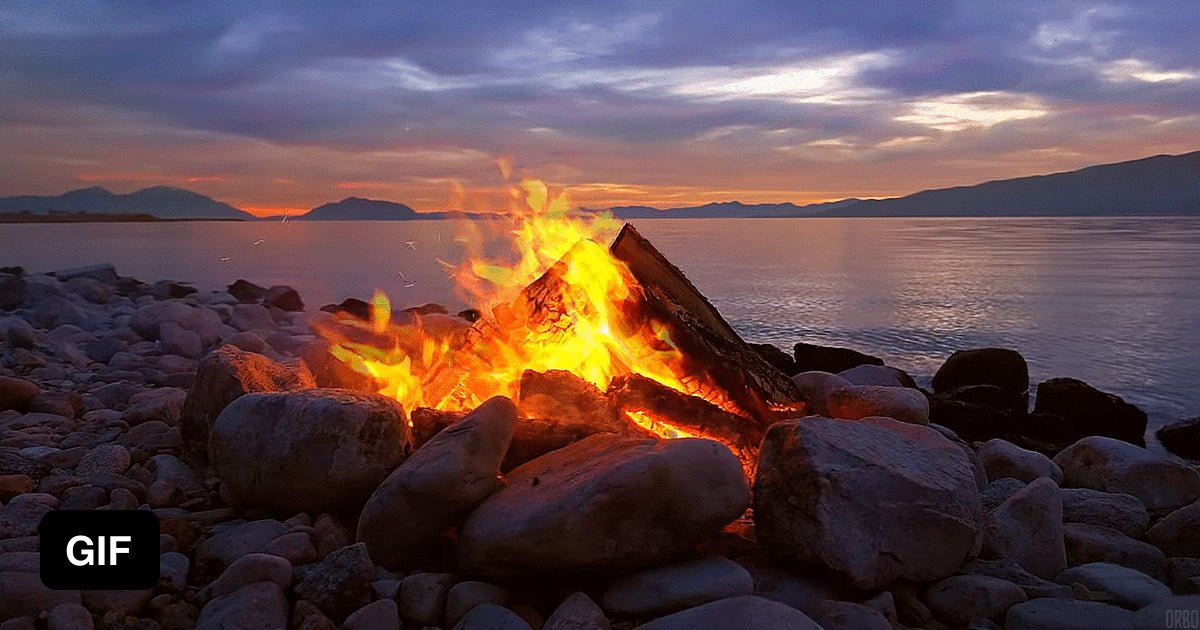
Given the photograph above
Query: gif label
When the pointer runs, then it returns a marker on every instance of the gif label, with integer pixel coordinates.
(99, 549)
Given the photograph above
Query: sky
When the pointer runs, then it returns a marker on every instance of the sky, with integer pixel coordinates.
(280, 106)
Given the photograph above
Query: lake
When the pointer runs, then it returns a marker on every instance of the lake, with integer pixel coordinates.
(1112, 301)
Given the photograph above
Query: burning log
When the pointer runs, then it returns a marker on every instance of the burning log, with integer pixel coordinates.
(707, 342)
(568, 399)
(666, 412)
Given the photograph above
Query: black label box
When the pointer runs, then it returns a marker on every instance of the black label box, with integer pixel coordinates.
(96, 549)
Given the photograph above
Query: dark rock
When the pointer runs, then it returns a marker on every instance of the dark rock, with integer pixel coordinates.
(1004, 459)
(232, 540)
(571, 510)
(1178, 534)
(878, 375)
(17, 393)
(491, 617)
(246, 291)
(1182, 438)
(464, 596)
(340, 584)
(226, 374)
(250, 568)
(423, 598)
(379, 615)
(1129, 588)
(257, 605)
(283, 297)
(169, 289)
(577, 612)
(1058, 614)
(350, 306)
(816, 387)
(438, 485)
(103, 349)
(962, 599)
(1010, 571)
(1122, 512)
(1028, 529)
(811, 357)
(863, 498)
(674, 587)
(1091, 411)
(13, 290)
(998, 367)
(53, 311)
(315, 450)
(102, 272)
(1093, 543)
(747, 612)
(785, 362)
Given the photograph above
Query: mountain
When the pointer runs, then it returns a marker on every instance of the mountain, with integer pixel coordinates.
(1158, 185)
(728, 209)
(163, 202)
(359, 209)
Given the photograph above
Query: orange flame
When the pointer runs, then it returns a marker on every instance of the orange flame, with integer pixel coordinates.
(565, 303)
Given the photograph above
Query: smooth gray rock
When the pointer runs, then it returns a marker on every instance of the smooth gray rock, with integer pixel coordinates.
(250, 568)
(838, 615)
(253, 607)
(1178, 534)
(577, 612)
(423, 598)
(1160, 481)
(961, 599)
(568, 511)
(864, 498)
(815, 388)
(1034, 586)
(864, 401)
(674, 587)
(232, 540)
(1171, 613)
(438, 485)
(1061, 614)
(1093, 543)
(491, 617)
(69, 617)
(878, 375)
(378, 615)
(466, 596)
(1004, 459)
(746, 612)
(1028, 529)
(1129, 588)
(1122, 512)
(307, 451)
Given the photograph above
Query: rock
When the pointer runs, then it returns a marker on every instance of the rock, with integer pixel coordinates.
(250, 316)
(1182, 438)
(1090, 411)
(863, 499)
(53, 311)
(386, 588)
(246, 291)
(340, 584)
(380, 615)
(864, 401)
(465, 596)
(296, 547)
(962, 599)
(1060, 614)
(815, 388)
(177, 340)
(810, 357)
(106, 458)
(256, 605)
(675, 587)
(69, 617)
(567, 511)
(1158, 480)
(1122, 512)
(423, 598)
(1092, 543)
(1178, 534)
(314, 450)
(491, 617)
(878, 376)
(746, 612)
(173, 570)
(783, 361)
(102, 272)
(21, 515)
(577, 612)
(250, 568)
(12, 485)
(21, 590)
(329, 534)
(836, 615)
(1129, 588)
(1009, 571)
(1028, 529)
(13, 290)
(103, 349)
(17, 332)
(122, 603)
(17, 393)
(1183, 575)
(283, 297)
(232, 540)
(1171, 612)
(999, 367)
(438, 485)
(1004, 459)
(226, 374)
(148, 320)
(999, 491)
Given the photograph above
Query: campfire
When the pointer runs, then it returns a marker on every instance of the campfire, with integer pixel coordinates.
(590, 329)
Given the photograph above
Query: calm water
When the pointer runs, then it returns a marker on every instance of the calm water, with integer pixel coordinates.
(1115, 302)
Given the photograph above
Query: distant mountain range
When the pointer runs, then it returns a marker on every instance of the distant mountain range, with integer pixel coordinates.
(163, 202)
(1158, 185)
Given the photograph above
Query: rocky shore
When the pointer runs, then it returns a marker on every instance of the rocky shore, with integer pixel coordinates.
(290, 496)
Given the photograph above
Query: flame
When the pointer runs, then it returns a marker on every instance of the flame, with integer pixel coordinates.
(563, 302)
